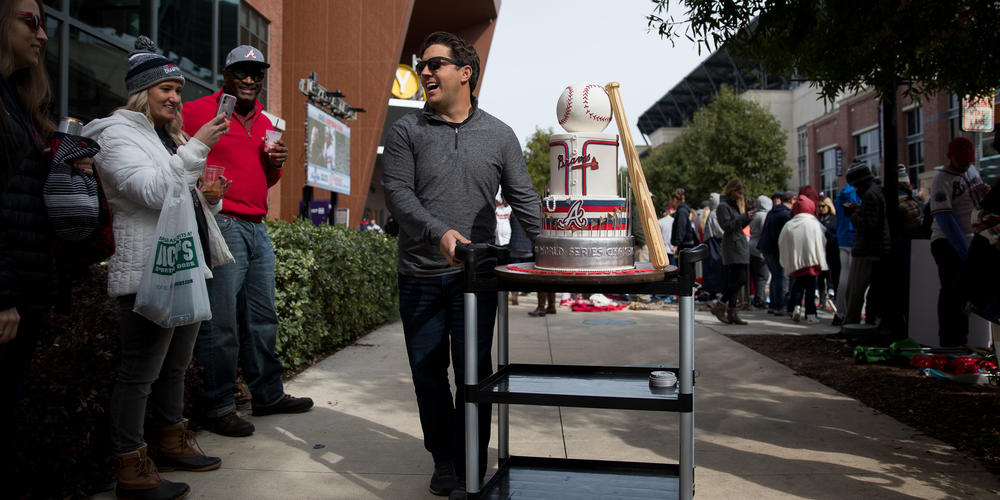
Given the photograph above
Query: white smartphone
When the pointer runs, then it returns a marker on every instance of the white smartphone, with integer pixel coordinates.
(227, 103)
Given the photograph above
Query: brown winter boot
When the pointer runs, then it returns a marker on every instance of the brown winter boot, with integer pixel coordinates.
(719, 310)
(139, 480)
(175, 448)
(733, 317)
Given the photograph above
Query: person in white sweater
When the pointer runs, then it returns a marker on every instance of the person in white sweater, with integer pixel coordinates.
(143, 156)
(802, 250)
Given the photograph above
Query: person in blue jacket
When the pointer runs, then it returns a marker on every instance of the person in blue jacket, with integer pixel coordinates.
(845, 241)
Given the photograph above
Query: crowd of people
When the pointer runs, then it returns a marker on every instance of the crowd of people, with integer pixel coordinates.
(797, 253)
(150, 149)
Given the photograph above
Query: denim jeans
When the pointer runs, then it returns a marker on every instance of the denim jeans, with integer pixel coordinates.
(432, 309)
(777, 281)
(244, 325)
(154, 361)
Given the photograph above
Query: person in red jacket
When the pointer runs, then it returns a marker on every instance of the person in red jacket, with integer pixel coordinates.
(244, 325)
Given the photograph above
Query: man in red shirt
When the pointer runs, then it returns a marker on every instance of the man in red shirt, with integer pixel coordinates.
(244, 325)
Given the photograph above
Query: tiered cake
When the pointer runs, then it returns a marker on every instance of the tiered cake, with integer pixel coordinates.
(585, 221)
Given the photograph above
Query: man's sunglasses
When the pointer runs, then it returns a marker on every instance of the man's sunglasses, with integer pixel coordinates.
(34, 20)
(435, 63)
(242, 73)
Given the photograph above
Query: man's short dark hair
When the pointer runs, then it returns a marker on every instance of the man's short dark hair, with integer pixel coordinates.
(461, 51)
(787, 196)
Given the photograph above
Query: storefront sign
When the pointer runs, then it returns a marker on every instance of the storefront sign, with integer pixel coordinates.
(977, 114)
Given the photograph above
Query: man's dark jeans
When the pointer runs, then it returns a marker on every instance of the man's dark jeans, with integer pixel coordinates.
(953, 324)
(777, 281)
(432, 309)
(244, 325)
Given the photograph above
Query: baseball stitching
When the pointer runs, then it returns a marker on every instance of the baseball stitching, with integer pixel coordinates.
(569, 106)
(586, 105)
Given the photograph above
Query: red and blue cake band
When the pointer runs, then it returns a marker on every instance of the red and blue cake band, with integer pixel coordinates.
(585, 215)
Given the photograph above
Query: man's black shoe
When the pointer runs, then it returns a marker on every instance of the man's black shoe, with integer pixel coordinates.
(459, 492)
(443, 480)
(837, 321)
(287, 404)
(230, 424)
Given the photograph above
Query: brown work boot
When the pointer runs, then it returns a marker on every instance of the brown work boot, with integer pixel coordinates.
(733, 317)
(176, 449)
(139, 480)
(719, 310)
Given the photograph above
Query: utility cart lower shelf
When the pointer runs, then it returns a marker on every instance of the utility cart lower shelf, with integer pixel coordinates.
(619, 387)
(537, 478)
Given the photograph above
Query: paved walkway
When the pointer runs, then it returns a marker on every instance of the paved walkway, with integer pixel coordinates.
(761, 431)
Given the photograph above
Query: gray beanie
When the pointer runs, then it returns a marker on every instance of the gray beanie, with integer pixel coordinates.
(147, 68)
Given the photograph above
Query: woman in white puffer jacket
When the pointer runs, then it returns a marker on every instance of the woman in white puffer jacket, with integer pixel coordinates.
(143, 156)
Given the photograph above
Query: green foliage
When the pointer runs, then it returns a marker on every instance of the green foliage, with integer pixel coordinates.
(536, 157)
(333, 283)
(847, 46)
(730, 137)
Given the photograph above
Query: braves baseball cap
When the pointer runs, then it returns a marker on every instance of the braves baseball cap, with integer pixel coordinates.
(245, 53)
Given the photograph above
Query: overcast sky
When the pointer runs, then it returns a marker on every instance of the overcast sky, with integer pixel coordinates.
(541, 46)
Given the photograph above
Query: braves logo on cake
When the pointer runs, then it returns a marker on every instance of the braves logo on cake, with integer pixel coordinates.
(584, 215)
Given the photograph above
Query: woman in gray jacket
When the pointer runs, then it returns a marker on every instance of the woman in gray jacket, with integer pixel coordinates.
(733, 217)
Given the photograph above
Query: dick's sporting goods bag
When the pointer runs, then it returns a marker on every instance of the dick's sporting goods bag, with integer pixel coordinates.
(172, 291)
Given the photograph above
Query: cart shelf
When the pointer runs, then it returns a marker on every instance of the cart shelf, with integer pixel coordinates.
(615, 387)
(533, 477)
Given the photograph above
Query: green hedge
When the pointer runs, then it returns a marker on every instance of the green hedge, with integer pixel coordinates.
(333, 284)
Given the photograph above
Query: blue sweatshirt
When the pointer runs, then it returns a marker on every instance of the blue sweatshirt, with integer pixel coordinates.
(845, 229)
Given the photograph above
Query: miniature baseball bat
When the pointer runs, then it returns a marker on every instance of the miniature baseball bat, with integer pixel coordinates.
(640, 191)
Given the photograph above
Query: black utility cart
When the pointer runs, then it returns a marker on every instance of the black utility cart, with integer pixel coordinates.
(615, 387)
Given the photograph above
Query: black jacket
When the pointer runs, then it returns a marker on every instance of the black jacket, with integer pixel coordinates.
(682, 233)
(773, 224)
(871, 228)
(25, 238)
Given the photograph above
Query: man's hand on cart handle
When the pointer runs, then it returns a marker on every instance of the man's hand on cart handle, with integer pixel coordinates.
(447, 246)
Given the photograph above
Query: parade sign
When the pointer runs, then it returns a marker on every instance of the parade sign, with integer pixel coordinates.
(977, 114)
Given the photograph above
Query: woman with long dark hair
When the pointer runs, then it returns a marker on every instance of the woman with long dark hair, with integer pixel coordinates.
(733, 217)
(25, 241)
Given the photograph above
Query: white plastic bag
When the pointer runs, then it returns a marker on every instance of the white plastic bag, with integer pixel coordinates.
(172, 291)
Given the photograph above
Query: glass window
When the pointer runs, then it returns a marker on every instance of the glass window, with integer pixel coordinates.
(915, 141)
(803, 158)
(253, 31)
(914, 123)
(866, 149)
(185, 28)
(52, 64)
(828, 171)
(96, 76)
(229, 26)
(122, 19)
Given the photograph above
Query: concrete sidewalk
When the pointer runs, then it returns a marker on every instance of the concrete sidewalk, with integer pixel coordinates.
(761, 431)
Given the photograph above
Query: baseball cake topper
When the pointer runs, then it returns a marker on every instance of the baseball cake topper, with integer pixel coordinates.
(584, 107)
